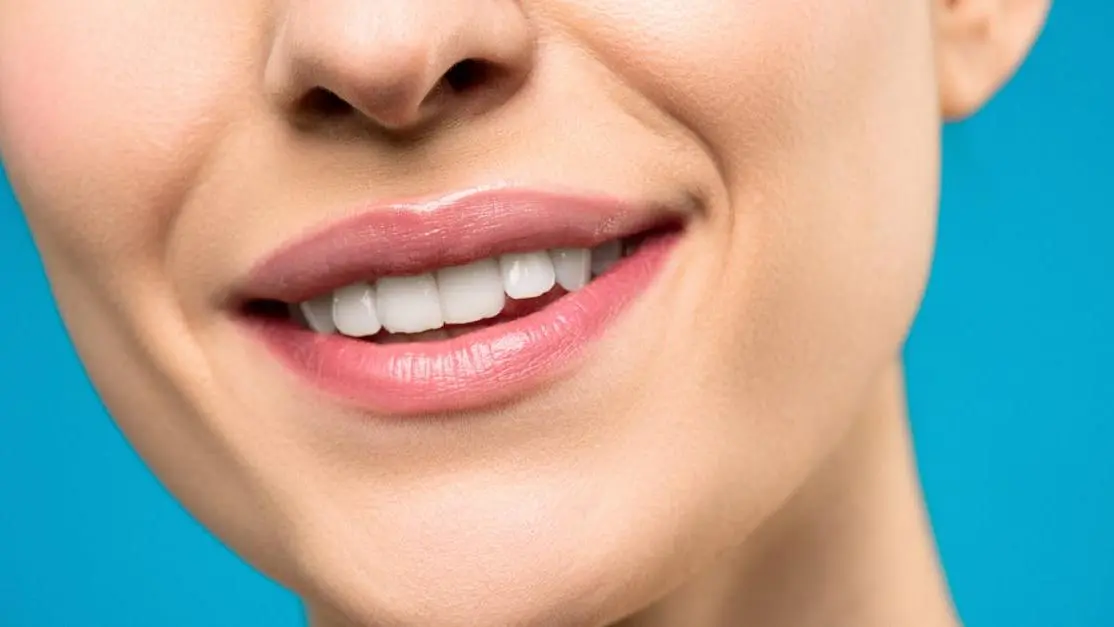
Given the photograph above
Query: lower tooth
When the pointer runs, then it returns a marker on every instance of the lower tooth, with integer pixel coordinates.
(455, 332)
(439, 334)
(406, 338)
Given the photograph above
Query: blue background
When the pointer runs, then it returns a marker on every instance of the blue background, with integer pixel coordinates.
(1010, 388)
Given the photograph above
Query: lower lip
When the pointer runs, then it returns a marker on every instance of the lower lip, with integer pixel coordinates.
(493, 365)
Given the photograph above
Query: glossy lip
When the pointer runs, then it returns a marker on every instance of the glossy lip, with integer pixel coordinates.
(482, 368)
(401, 239)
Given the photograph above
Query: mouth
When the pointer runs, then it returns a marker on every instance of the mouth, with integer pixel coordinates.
(454, 301)
(456, 304)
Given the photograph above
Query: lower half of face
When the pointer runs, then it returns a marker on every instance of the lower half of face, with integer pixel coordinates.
(523, 438)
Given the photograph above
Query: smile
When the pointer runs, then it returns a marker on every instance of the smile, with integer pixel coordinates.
(456, 304)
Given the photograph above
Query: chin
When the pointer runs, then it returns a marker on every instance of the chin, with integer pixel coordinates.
(490, 557)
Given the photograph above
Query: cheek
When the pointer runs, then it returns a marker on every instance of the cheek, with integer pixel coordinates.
(104, 131)
(822, 118)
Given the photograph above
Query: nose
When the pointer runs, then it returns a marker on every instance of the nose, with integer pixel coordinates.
(399, 64)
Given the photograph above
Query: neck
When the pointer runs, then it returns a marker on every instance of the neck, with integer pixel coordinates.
(853, 547)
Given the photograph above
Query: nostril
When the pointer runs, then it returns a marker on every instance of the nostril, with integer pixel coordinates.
(320, 102)
(400, 107)
(468, 74)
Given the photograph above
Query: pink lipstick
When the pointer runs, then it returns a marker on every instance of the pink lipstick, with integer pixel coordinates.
(527, 343)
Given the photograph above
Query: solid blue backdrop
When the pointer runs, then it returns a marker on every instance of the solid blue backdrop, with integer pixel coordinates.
(1010, 389)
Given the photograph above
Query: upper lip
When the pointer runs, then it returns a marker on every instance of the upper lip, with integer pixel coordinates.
(411, 237)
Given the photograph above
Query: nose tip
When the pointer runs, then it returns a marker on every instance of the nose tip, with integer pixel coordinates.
(397, 63)
(393, 83)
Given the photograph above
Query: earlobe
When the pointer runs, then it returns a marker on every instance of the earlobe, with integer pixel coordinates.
(980, 44)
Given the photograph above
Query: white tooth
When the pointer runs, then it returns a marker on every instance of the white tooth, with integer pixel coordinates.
(297, 315)
(354, 310)
(319, 314)
(605, 255)
(527, 275)
(408, 304)
(471, 292)
(573, 267)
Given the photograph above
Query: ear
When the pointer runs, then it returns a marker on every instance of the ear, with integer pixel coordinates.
(980, 44)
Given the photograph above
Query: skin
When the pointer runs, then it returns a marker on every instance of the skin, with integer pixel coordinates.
(734, 452)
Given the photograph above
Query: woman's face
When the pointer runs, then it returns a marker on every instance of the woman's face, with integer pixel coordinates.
(167, 153)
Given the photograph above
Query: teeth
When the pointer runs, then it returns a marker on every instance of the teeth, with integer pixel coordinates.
(354, 310)
(573, 267)
(472, 292)
(319, 314)
(408, 304)
(605, 255)
(297, 315)
(527, 275)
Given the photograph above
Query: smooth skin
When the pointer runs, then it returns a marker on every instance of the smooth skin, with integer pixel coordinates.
(734, 452)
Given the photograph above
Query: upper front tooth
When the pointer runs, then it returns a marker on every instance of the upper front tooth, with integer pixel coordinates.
(354, 310)
(527, 275)
(471, 292)
(573, 267)
(605, 255)
(319, 314)
(408, 304)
